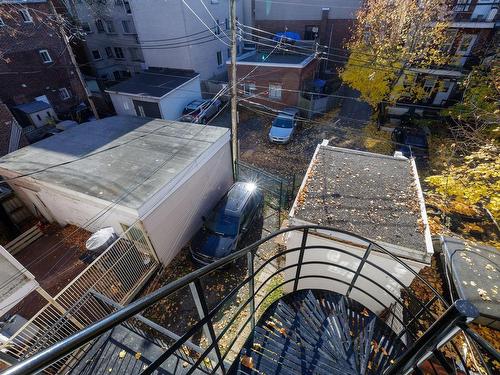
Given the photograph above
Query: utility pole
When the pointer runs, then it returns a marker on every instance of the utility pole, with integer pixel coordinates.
(234, 88)
(73, 59)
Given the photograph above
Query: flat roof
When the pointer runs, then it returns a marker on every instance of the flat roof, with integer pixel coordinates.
(368, 194)
(264, 57)
(32, 107)
(108, 158)
(154, 82)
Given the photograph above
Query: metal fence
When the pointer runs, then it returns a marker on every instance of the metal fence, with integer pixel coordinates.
(118, 274)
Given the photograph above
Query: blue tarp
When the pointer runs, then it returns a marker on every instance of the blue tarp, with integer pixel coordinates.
(290, 35)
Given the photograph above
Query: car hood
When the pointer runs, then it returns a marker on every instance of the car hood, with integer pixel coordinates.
(212, 245)
(280, 132)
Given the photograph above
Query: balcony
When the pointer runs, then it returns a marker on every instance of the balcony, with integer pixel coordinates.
(271, 321)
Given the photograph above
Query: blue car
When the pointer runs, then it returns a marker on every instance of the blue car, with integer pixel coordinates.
(227, 223)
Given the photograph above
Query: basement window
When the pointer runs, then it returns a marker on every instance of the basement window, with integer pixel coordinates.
(44, 54)
(64, 93)
(26, 16)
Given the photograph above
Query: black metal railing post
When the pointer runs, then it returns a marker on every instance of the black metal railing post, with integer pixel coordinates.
(360, 268)
(441, 332)
(301, 258)
(213, 338)
(251, 286)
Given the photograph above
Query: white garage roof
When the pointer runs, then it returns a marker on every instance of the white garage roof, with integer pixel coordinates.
(121, 158)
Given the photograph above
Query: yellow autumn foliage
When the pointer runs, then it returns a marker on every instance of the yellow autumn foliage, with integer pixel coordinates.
(475, 181)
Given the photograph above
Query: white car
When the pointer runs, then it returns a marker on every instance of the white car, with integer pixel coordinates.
(199, 111)
(284, 126)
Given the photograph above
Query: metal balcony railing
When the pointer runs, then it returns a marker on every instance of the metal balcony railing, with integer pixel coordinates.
(409, 305)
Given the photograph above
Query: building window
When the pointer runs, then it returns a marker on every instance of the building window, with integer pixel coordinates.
(249, 88)
(134, 54)
(227, 23)
(109, 52)
(116, 74)
(126, 4)
(25, 15)
(1, 22)
(96, 54)
(38, 117)
(119, 53)
(449, 39)
(100, 26)
(311, 32)
(127, 27)
(462, 5)
(44, 54)
(217, 27)
(229, 53)
(274, 91)
(141, 111)
(110, 26)
(219, 58)
(64, 93)
(86, 27)
(466, 44)
(445, 85)
(429, 85)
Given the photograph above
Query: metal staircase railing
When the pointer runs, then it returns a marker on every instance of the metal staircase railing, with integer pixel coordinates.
(226, 322)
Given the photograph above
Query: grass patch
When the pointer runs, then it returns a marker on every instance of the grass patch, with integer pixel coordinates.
(273, 296)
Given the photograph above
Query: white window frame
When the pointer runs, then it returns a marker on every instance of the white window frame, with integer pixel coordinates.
(44, 53)
(275, 90)
(249, 88)
(430, 88)
(93, 56)
(219, 54)
(141, 113)
(26, 16)
(64, 93)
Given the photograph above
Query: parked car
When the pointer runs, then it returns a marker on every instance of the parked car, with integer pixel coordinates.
(227, 224)
(412, 142)
(284, 126)
(199, 111)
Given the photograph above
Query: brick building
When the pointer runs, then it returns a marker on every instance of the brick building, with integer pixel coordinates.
(11, 135)
(280, 78)
(35, 62)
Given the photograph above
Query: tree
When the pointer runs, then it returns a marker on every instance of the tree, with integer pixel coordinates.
(475, 182)
(390, 37)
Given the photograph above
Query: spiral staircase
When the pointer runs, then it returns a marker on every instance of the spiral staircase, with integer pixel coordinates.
(252, 329)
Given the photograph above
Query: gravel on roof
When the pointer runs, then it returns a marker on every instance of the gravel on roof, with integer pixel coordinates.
(372, 195)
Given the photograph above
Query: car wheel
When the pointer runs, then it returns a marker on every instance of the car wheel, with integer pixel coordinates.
(204, 121)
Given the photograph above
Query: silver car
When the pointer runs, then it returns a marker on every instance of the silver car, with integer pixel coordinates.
(199, 111)
(284, 126)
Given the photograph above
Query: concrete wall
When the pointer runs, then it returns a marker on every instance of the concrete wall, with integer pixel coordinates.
(44, 117)
(69, 207)
(158, 19)
(172, 223)
(305, 10)
(173, 104)
(123, 104)
(351, 263)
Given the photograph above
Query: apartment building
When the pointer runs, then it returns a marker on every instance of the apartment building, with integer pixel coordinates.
(191, 35)
(328, 21)
(112, 48)
(36, 65)
(471, 35)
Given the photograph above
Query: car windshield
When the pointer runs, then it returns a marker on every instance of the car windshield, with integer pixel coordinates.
(283, 122)
(415, 140)
(191, 111)
(222, 224)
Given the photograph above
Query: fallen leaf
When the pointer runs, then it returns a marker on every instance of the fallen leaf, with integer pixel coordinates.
(122, 354)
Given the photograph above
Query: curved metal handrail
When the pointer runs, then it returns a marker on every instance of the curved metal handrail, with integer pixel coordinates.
(58, 351)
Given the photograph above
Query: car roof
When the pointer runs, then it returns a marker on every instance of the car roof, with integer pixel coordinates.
(237, 197)
(289, 112)
(196, 103)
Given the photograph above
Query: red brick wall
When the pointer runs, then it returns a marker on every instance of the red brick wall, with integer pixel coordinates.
(6, 119)
(23, 74)
(341, 29)
(290, 79)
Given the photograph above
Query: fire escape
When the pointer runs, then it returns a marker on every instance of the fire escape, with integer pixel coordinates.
(253, 329)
